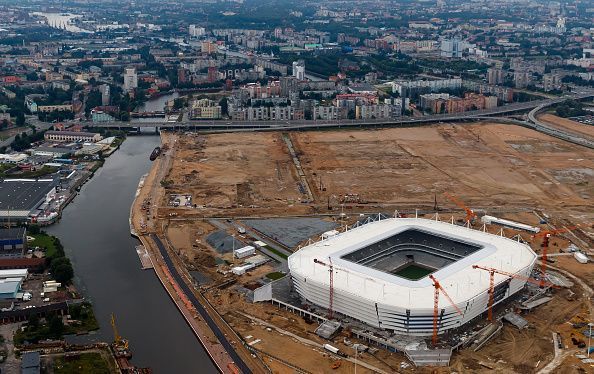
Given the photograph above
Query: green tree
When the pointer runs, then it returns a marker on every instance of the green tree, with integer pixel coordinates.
(56, 326)
(224, 103)
(61, 269)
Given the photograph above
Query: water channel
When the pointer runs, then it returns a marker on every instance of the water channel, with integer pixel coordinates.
(96, 235)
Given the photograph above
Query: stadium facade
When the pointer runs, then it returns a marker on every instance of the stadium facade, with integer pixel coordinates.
(381, 273)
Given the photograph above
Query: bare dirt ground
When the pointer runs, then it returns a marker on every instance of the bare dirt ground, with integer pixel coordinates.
(567, 124)
(486, 165)
(505, 170)
(229, 170)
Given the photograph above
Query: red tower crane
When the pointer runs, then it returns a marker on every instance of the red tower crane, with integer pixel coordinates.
(438, 289)
(546, 235)
(492, 272)
(470, 214)
(331, 295)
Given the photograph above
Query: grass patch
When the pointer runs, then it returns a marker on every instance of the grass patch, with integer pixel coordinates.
(277, 252)
(45, 241)
(275, 275)
(413, 272)
(83, 313)
(91, 363)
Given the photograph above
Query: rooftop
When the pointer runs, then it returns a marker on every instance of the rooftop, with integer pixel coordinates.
(365, 265)
(23, 194)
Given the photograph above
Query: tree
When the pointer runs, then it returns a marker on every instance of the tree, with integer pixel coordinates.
(56, 326)
(224, 103)
(20, 119)
(61, 269)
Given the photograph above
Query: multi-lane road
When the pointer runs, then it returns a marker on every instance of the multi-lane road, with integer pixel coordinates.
(313, 124)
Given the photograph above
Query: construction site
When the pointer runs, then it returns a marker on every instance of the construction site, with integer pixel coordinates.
(237, 210)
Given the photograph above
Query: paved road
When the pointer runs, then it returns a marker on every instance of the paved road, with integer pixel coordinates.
(308, 124)
(213, 326)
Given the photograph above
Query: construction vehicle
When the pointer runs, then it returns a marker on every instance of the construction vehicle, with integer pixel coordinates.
(438, 289)
(331, 293)
(546, 235)
(492, 272)
(470, 214)
(120, 345)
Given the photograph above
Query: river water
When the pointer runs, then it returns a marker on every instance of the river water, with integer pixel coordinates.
(96, 235)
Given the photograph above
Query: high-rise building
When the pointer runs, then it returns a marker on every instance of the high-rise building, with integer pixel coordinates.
(495, 76)
(288, 85)
(452, 48)
(196, 31)
(105, 95)
(213, 74)
(130, 79)
(521, 79)
(299, 70)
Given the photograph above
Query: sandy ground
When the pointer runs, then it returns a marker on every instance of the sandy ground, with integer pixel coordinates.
(487, 166)
(235, 170)
(490, 165)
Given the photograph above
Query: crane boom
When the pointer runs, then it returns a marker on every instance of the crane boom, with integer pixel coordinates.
(470, 214)
(438, 289)
(116, 335)
(492, 272)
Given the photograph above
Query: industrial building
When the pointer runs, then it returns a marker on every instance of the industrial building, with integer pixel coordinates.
(13, 242)
(381, 273)
(21, 198)
(72, 136)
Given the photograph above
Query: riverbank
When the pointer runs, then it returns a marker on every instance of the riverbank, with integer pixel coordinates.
(95, 232)
(203, 320)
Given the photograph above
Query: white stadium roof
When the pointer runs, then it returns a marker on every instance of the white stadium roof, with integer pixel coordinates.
(459, 279)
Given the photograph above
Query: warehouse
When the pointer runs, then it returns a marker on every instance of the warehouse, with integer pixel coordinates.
(380, 273)
(20, 198)
(13, 242)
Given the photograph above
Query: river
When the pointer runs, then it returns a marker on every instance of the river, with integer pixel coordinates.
(96, 235)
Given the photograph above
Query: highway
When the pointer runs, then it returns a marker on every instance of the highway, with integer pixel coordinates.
(209, 321)
(314, 124)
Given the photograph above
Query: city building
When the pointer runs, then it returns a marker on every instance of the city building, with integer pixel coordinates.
(495, 76)
(299, 70)
(71, 136)
(413, 89)
(329, 113)
(196, 31)
(130, 79)
(105, 94)
(205, 109)
(13, 242)
(551, 82)
(470, 101)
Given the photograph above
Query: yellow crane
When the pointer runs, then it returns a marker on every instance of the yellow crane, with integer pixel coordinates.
(118, 341)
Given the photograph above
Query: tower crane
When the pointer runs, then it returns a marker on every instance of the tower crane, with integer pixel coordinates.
(331, 293)
(470, 214)
(438, 289)
(492, 272)
(546, 235)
